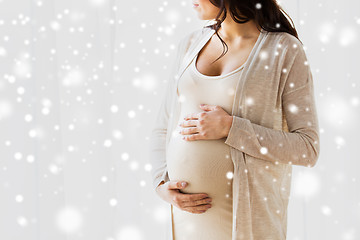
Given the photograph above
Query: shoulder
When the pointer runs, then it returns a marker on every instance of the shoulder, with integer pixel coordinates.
(291, 44)
(284, 37)
(287, 45)
(283, 40)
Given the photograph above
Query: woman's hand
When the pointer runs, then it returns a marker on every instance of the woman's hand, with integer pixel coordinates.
(190, 202)
(215, 123)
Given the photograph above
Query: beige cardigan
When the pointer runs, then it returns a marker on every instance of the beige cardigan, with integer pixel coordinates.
(274, 126)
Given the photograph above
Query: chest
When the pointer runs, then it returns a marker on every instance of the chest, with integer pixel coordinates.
(208, 61)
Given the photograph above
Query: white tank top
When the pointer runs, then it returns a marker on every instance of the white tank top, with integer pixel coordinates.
(204, 164)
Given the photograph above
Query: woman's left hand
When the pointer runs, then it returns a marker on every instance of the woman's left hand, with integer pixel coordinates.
(214, 123)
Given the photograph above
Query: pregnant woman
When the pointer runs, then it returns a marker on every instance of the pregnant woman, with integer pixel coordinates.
(230, 127)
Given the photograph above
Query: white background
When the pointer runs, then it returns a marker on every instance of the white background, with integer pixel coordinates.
(80, 84)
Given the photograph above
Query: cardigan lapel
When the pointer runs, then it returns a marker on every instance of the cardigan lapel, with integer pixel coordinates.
(193, 51)
(239, 87)
(242, 218)
(196, 46)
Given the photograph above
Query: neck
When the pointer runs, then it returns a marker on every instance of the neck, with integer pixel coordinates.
(231, 30)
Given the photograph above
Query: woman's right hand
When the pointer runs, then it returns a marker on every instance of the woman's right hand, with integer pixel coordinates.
(190, 202)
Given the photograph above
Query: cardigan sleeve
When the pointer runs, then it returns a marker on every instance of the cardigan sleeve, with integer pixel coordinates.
(300, 145)
(157, 153)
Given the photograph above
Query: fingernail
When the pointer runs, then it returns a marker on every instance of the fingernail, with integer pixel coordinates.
(183, 184)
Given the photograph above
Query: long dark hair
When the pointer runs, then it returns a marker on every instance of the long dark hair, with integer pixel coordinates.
(265, 13)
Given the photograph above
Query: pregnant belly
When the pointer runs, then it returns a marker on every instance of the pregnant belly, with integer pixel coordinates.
(205, 164)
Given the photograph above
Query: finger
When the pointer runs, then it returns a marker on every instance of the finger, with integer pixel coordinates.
(189, 130)
(191, 197)
(197, 209)
(181, 198)
(198, 202)
(206, 107)
(191, 116)
(189, 123)
(177, 185)
(187, 199)
(192, 123)
(192, 137)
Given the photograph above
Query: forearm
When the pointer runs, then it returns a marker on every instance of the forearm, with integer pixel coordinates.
(277, 146)
(158, 156)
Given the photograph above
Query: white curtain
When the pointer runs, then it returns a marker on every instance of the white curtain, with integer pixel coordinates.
(80, 84)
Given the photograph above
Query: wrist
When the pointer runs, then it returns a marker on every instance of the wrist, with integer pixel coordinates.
(229, 120)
